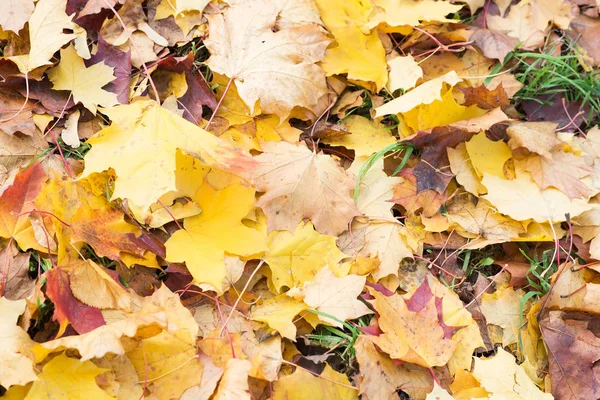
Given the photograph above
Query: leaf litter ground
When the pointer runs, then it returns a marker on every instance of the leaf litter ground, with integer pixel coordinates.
(282, 199)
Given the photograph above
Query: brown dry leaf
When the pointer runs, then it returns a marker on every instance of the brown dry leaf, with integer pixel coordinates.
(537, 137)
(298, 184)
(482, 220)
(426, 202)
(279, 69)
(573, 352)
(15, 283)
(485, 98)
(494, 44)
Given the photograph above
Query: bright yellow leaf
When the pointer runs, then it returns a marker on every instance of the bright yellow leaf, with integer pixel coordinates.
(168, 363)
(359, 53)
(84, 83)
(410, 12)
(439, 113)
(425, 93)
(143, 140)
(488, 157)
(68, 378)
(279, 312)
(217, 230)
(296, 258)
(302, 385)
(366, 136)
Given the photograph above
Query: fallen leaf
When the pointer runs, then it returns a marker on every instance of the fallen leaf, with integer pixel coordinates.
(84, 83)
(427, 202)
(234, 383)
(302, 184)
(381, 377)
(144, 151)
(584, 31)
(521, 199)
(385, 240)
(296, 258)
(16, 201)
(375, 191)
(502, 377)
(106, 231)
(414, 329)
(279, 312)
(332, 386)
(462, 167)
(438, 393)
(16, 363)
(488, 157)
(482, 220)
(334, 296)
(572, 354)
(67, 309)
(563, 171)
(46, 36)
(425, 93)
(503, 308)
(167, 363)
(359, 53)
(537, 137)
(279, 68)
(93, 286)
(493, 43)
(485, 98)
(407, 12)
(68, 378)
(14, 14)
(15, 283)
(404, 73)
(218, 229)
(365, 136)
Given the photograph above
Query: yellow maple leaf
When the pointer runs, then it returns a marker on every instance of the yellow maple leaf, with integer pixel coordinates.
(366, 137)
(404, 73)
(234, 383)
(167, 362)
(143, 140)
(84, 83)
(487, 156)
(68, 378)
(439, 112)
(503, 378)
(461, 165)
(218, 229)
(279, 312)
(359, 53)
(302, 385)
(296, 258)
(279, 69)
